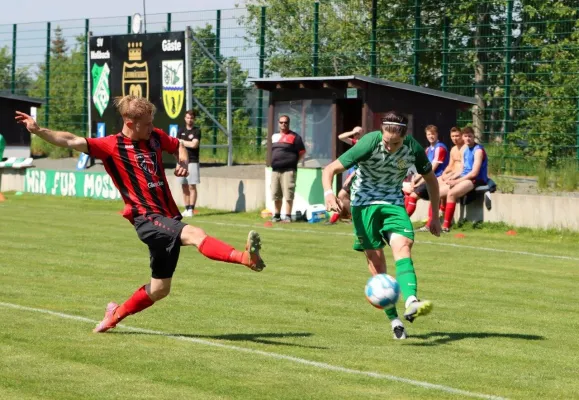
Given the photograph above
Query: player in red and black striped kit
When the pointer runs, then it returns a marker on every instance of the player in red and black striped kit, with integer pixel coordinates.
(133, 159)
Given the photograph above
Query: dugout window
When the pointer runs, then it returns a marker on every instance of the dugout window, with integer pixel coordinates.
(312, 120)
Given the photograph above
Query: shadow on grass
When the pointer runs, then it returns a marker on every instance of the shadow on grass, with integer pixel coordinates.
(263, 338)
(438, 338)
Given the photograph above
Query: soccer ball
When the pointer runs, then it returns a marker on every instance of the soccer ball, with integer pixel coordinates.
(382, 291)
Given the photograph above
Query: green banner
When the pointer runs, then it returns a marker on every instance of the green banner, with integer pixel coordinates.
(97, 185)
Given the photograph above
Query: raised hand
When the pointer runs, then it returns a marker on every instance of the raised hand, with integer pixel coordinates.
(27, 121)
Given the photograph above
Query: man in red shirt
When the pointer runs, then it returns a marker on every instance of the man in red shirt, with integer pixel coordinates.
(133, 159)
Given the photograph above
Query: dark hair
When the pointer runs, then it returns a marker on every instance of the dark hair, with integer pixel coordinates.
(467, 129)
(285, 116)
(395, 122)
(431, 128)
(454, 129)
(192, 113)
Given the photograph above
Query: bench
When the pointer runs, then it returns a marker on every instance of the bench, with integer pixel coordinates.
(13, 173)
(471, 205)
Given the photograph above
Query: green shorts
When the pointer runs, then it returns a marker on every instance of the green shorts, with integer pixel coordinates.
(374, 223)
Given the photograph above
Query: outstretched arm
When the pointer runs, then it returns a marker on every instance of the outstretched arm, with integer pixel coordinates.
(182, 167)
(332, 203)
(434, 194)
(57, 138)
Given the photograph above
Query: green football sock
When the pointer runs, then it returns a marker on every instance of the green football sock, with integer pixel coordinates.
(391, 313)
(406, 277)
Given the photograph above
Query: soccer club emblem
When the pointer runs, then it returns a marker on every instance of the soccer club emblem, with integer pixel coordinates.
(173, 87)
(136, 74)
(147, 162)
(402, 164)
(101, 93)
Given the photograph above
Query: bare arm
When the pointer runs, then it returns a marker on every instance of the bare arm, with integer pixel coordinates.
(57, 138)
(434, 194)
(182, 167)
(346, 136)
(191, 144)
(328, 173)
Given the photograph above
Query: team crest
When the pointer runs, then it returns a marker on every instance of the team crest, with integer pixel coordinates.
(154, 144)
(147, 162)
(135, 74)
(402, 164)
(173, 87)
(100, 87)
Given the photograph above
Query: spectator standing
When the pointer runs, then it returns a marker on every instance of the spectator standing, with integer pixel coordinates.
(190, 137)
(287, 150)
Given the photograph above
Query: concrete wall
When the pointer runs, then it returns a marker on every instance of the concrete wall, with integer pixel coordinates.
(238, 194)
(231, 194)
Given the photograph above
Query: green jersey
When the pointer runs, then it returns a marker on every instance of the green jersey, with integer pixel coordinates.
(380, 174)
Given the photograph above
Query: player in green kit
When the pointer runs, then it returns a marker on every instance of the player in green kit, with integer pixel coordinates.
(377, 202)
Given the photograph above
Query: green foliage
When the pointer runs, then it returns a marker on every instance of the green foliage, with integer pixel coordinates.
(22, 75)
(504, 184)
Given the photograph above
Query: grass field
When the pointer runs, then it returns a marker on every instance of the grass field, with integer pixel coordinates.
(504, 324)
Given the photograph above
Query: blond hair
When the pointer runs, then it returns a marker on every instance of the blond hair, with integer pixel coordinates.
(133, 107)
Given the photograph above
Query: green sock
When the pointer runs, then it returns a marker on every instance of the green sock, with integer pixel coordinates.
(406, 277)
(391, 313)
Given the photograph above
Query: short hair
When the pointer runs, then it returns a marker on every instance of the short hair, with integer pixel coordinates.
(455, 129)
(134, 107)
(431, 128)
(285, 116)
(395, 122)
(467, 130)
(191, 113)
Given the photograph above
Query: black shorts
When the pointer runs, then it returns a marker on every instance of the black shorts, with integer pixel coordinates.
(163, 236)
(422, 191)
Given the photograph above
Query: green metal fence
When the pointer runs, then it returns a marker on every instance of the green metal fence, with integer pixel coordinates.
(518, 58)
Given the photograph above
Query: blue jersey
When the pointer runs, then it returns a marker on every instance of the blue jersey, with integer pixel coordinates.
(468, 163)
(438, 153)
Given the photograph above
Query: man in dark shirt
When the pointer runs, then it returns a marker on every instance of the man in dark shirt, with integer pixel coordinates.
(133, 159)
(286, 150)
(190, 137)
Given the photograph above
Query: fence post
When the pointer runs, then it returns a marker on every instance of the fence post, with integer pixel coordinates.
(13, 78)
(86, 101)
(445, 34)
(47, 78)
(129, 23)
(507, 99)
(316, 38)
(216, 76)
(373, 38)
(261, 73)
(416, 43)
(577, 135)
(168, 22)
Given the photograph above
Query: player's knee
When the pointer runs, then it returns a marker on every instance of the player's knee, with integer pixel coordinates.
(401, 246)
(192, 236)
(159, 293)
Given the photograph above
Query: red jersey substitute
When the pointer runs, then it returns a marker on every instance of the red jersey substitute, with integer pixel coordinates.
(136, 168)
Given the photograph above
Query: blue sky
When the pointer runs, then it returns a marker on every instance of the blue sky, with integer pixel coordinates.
(53, 10)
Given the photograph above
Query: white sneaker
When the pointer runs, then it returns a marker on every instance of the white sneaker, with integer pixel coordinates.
(187, 213)
(398, 331)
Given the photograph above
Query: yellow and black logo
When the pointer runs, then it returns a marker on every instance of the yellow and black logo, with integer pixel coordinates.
(136, 74)
(173, 87)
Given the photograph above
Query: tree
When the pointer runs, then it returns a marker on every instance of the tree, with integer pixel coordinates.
(203, 71)
(22, 77)
(66, 95)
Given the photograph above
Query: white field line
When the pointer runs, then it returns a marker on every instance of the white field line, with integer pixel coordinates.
(303, 361)
(462, 246)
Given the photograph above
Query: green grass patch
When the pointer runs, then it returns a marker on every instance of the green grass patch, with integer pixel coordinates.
(502, 324)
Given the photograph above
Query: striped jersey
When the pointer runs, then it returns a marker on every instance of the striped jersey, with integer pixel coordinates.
(380, 174)
(136, 168)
